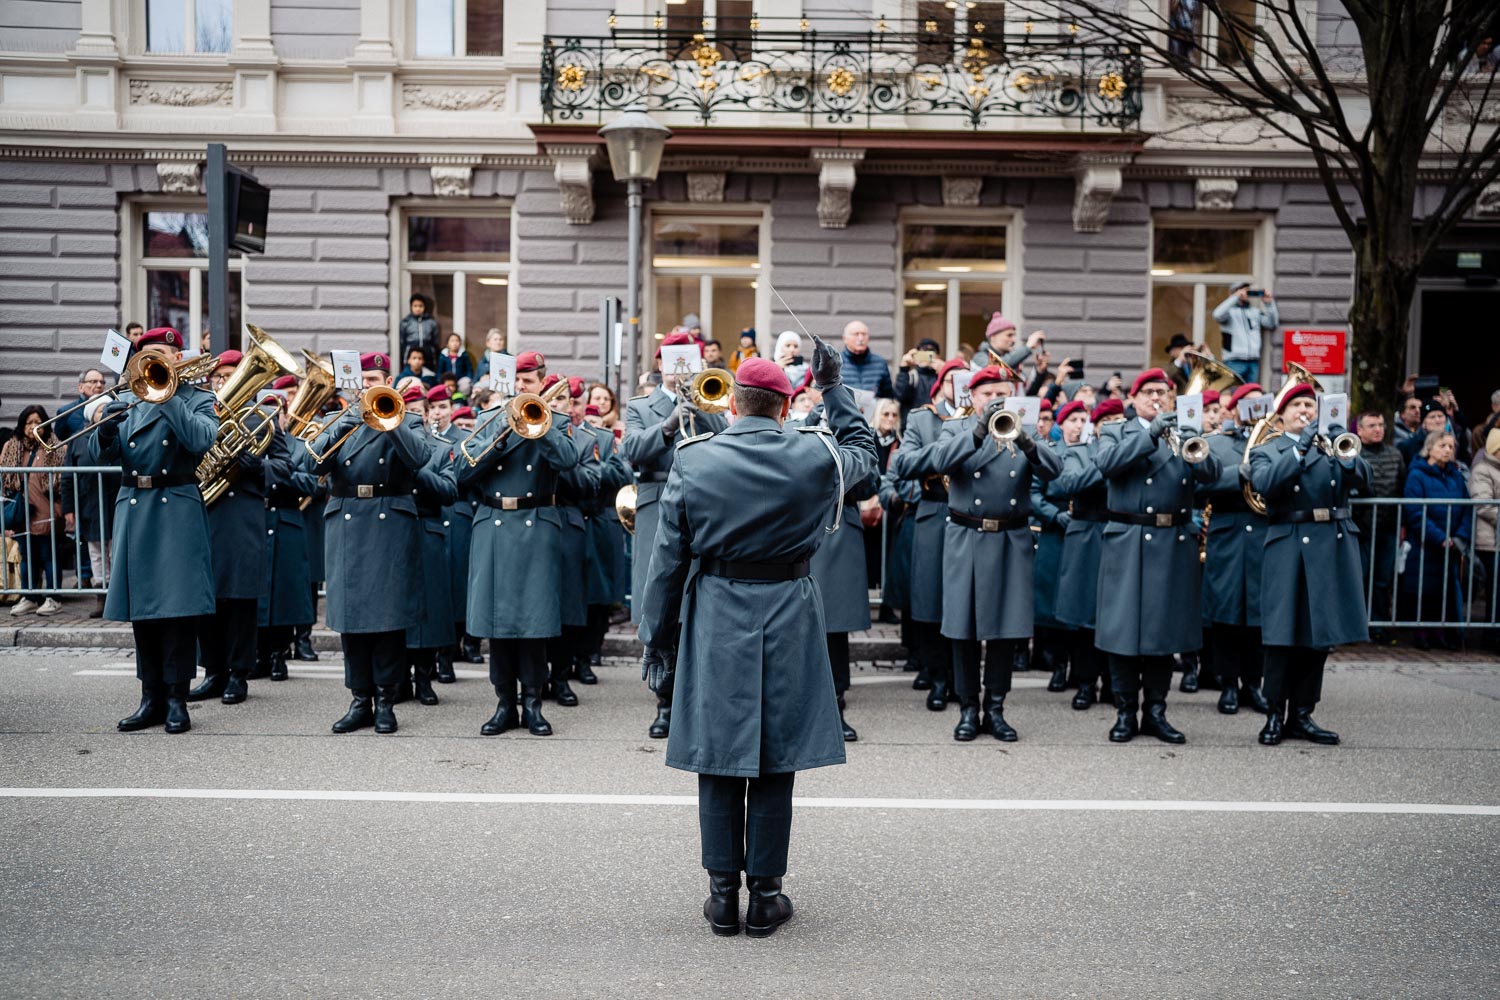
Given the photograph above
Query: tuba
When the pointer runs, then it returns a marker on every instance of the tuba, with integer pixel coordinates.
(244, 428)
(1269, 426)
(1209, 373)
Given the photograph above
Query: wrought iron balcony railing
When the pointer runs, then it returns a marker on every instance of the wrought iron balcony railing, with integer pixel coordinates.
(843, 78)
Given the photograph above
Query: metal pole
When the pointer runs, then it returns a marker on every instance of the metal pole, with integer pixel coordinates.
(218, 248)
(633, 295)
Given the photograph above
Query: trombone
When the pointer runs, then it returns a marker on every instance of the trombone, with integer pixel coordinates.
(380, 408)
(149, 376)
(709, 391)
(527, 414)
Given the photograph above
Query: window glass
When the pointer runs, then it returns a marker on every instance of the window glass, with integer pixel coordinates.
(168, 299)
(175, 234)
(953, 249)
(734, 307)
(204, 327)
(1236, 18)
(484, 310)
(1202, 251)
(485, 21)
(166, 26)
(439, 291)
(676, 297)
(690, 244)
(976, 303)
(213, 25)
(926, 312)
(434, 24)
(935, 24)
(458, 237)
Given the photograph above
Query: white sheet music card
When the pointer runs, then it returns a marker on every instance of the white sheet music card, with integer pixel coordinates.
(1029, 407)
(116, 350)
(1333, 411)
(502, 373)
(1252, 410)
(1190, 415)
(346, 370)
(1088, 433)
(682, 358)
(961, 387)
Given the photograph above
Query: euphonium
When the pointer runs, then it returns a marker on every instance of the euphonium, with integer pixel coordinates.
(1269, 427)
(1210, 374)
(244, 428)
(625, 506)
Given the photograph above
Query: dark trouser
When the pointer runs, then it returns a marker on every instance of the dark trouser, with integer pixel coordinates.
(838, 658)
(374, 659)
(1237, 654)
(1051, 644)
(561, 649)
(37, 569)
(999, 662)
(598, 627)
(518, 659)
(1294, 674)
(272, 639)
(932, 650)
(1131, 675)
(166, 654)
(1085, 657)
(746, 823)
(226, 638)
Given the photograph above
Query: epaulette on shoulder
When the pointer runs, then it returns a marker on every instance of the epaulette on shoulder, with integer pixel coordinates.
(643, 395)
(929, 407)
(691, 440)
(816, 429)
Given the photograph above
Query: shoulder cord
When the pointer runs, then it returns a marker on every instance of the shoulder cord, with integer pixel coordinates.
(838, 463)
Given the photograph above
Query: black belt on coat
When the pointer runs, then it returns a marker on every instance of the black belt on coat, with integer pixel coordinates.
(1090, 514)
(1319, 515)
(367, 491)
(157, 482)
(1226, 503)
(652, 477)
(1149, 520)
(989, 523)
(761, 572)
(935, 496)
(519, 503)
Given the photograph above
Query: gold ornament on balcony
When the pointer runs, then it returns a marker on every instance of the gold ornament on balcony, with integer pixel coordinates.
(612, 22)
(841, 81)
(931, 26)
(979, 27)
(705, 55)
(881, 26)
(975, 60)
(571, 78)
(755, 24)
(656, 22)
(802, 24)
(1028, 27)
(1112, 86)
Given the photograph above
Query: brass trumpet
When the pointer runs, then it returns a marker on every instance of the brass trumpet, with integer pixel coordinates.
(1005, 427)
(1344, 446)
(528, 415)
(709, 391)
(381, 408)
(625, 506)
(149, 376)
(1193, 450)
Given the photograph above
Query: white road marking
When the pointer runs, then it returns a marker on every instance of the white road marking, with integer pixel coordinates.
(931, 805)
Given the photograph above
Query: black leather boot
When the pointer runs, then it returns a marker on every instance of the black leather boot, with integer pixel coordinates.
(278, 666)
(261, 670)
(360, 715)
(236, 690)
(385, 710)
(1085, 696)
(303, 647)
(1125, 728)
(561, 689)
(151, 712)
(968, 723)
(995, 724)
(1154, 723)
(850, 736)
(662, 727)
(471, 653)
(583, 667)
(212, 686)
(504, 718)
(1300, 726)
(1250, 695)
(722, 907)
(1229, 700)
(177, 714)
(531, 715)
(425, 694)
(769, 908)
(1189, 683)
(1059, 681)
(1272, 733)
(1023, 657)
(937, 698)
(921, 682)
(445, 673)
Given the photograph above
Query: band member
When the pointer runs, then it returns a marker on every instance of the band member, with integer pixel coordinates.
(162, 578)
(1049, 510)
(923, 427)
(515, 556)
(653, 424)
(237, 526)
(311, 513)
(987, 549)
(1311, 593)
(609, 569)
(431, 635)
(372, 508)
(575, 490)
(1083, 543)
(1233, 550)
(755, 701)
(1149, 575)
(458, 518)
(286, 602)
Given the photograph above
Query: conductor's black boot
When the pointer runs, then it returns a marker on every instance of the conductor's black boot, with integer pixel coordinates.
(769, 908)
(212, 686)
(177, 715)
(531, 715)
(151, 712)
(504, 718)
(1154, 723)
(968, 723)
(385, 709)
(1300, 726)
(661, 728)
(722, 907)
(360, 715)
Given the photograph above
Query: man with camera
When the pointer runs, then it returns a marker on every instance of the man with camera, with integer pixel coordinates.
(1240, 321)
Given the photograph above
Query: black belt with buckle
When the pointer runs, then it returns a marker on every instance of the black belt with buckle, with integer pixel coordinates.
(935, 496)
(366, 491)
(1230, 503)
(652, 477)
(1149, 520)
(159, 482)
(989, 523)
(520, 503)
(1089, 514)
(1318, 515)
(760, 572)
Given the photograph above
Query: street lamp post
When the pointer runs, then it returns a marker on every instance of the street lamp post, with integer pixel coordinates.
(635, 141)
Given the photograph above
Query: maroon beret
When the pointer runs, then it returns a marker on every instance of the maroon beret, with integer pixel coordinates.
(414, 393)
(1076, 406)
(285, 382)
(549, 382)
(1295, 392)
(758, 373)
(1108, 408)
(575, 386)
(988, 374)
(1241, 392)
(591, 411)
(161, 335)
(439, 394)
(229, 359)
(530, 361)
(1210, 396)
(462, 411)
(948, 366)
(1046, 406)
(1149, 375)
(374, 361)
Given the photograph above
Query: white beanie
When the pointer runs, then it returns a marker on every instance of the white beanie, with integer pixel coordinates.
(786, 337)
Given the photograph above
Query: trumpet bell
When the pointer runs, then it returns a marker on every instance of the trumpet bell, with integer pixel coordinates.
(1005, 426)
(710, 390)
(1194, 450)
(530, 417)
(1346, 445)
(625, 506)
(382, 408)
(1209, 373)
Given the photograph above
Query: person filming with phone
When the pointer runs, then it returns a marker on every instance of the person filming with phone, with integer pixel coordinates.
(1241, 318)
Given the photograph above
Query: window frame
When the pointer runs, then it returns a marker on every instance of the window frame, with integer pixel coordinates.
(134, 265)
(141, 27)
(691, 212)
(1262, 260)
(460, 35)
(1011, 279)
(401, 210)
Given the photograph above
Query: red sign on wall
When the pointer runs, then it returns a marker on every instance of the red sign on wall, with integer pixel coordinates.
(1321, 352)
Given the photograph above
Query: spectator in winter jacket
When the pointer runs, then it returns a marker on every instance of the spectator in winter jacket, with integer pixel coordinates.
(1439, 534)
(1240, 321)
(415, 369)
(420, 330)
(914, 381)
(1379, 524)
(455, 359)
(1484, 484)
(1434, 419)
(863, 368)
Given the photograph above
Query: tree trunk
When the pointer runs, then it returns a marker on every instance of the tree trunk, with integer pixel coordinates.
(1379, 319)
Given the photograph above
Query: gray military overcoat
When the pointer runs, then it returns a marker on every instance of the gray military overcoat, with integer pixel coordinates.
(1236, 540)
(437, 489)
(237, 522)
(754, 692)
(459, 516)
(839, 563)
(288, 598)
(1083, 542)
(1049, 509)
(923, 427)
(575, 494)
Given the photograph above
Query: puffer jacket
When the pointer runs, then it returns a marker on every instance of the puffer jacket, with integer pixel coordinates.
(1484, 484)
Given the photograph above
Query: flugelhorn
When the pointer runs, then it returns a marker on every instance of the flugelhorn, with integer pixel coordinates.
(150, 376)
(528, 415)
(381, 408)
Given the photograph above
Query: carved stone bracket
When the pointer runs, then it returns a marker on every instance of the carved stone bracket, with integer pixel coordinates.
(180, 176)
(1096, 182)
(449, 181)
(836, 177)
(962, 191)
(706, 187)
(573, 169)
(1488, 204)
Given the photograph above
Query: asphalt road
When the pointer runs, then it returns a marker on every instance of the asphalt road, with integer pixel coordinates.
(1084, 895)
